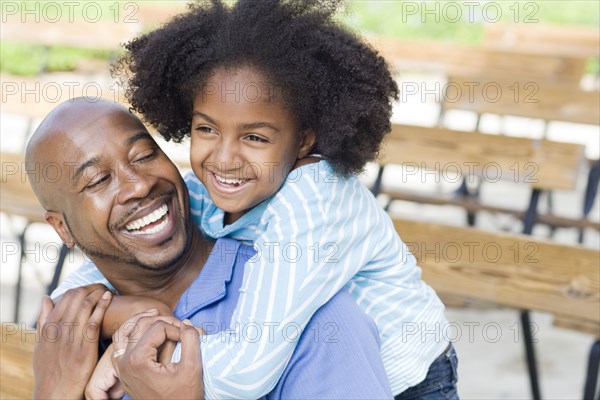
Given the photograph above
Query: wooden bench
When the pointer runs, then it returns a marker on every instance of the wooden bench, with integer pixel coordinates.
(17, 196)
(18, 199)
(554, 39)
(541, 164)
(515, 271)
(94, 28)
(535, 98)
(450, 58)
(16, 358)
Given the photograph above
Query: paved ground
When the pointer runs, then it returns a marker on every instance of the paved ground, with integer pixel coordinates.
(487, 340)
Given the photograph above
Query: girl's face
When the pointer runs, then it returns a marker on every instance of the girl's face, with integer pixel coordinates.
(244, 141)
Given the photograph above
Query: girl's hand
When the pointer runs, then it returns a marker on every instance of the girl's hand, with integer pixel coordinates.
(104, 384)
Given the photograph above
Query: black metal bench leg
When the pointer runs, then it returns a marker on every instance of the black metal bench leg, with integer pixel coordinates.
(591, 379)
(590, 193)
(531, 213)
(62, 256)
(530, 354)
(19, 277)
(376, 189)
(528, 223)
(464, 193)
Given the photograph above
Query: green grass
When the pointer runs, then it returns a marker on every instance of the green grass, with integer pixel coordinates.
(392, 18)
(453, 21)
(456, 22)
(29, 59)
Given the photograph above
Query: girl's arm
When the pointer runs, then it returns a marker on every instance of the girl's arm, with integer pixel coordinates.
(320, 231)
(121, 307)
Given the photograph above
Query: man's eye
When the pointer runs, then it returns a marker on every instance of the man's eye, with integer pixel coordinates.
(98, 182)
(146, 155)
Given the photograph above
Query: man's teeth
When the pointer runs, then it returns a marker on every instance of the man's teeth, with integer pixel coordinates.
(230, 181)
(148, 219)
(154, 229)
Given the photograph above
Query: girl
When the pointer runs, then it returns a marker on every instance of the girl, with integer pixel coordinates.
(284, 107)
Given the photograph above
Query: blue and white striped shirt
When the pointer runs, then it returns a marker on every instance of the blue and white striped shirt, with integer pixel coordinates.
(336, 356)
(318, 234)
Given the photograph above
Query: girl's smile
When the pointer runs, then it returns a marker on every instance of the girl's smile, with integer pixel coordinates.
(244, 142)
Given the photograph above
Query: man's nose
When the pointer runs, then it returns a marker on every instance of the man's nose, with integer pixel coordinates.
(134, 184)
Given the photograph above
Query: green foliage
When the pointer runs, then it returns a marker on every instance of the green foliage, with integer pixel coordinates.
(21, 59)
(442, 20)
(30, 59)
(462, 21)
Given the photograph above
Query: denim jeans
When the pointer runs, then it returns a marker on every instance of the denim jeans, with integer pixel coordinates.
(440, 382)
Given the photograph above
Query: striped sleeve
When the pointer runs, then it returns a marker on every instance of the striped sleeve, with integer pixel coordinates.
(199, 198)
(317, 235)
(85, 275)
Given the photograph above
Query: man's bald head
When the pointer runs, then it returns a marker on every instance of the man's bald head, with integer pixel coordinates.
(51, 142)
(107, 186)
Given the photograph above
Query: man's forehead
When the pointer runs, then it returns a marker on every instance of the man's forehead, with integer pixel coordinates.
(92, 147)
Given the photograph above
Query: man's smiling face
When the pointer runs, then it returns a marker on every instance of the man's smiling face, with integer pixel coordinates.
(119, 198)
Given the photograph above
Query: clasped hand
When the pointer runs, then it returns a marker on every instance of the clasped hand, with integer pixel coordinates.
(138, 362)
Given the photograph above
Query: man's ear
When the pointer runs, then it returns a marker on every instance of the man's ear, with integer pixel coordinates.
(58, 223)
(307, 142)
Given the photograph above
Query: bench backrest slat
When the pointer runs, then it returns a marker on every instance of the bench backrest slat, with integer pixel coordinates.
(456, 58)
(510, 270)
(526, 98)
(542, 164)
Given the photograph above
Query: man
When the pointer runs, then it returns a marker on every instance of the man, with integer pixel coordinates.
(122, 201)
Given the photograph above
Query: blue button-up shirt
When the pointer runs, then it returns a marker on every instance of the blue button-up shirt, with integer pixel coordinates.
(338, 355)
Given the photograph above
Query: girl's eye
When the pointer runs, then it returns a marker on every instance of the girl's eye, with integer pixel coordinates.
(256, 138)
(98, 182)
(206, 130)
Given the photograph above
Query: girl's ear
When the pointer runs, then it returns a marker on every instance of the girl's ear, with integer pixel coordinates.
(58, 223)
(307, 142)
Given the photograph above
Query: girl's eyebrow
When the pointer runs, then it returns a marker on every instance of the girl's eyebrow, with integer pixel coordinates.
(250, 125)
(204, 116)
(260, 124)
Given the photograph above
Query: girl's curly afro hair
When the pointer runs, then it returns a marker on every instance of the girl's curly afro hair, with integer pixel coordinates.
(332, 81)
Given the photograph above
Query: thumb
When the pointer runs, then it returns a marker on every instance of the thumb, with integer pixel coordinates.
(191, 358)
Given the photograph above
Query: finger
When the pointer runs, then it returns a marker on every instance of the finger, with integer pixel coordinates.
(146, 350)
(95, 322)
(60, 305)
(158, 333)
(72, 303)
(103, 303)
(117, 391)
(121, 338)
(191, 357)
(46, 309)
(86, 305)
(144, 323)
(165, 353)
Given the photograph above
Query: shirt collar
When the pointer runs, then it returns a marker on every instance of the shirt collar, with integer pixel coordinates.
(212, 219)
(211, 283)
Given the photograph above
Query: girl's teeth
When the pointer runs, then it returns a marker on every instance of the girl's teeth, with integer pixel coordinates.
(231, 181)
